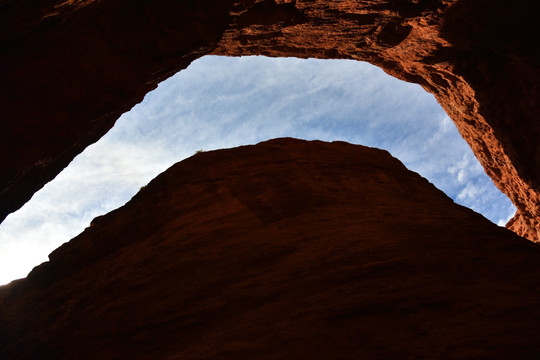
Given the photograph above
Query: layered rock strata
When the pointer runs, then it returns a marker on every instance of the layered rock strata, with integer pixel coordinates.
(71, 68)
(287, 249)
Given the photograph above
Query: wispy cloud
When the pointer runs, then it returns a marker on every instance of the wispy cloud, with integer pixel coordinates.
(224, 102)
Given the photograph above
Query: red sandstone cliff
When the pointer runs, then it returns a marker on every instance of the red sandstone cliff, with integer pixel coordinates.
(70, 68)
(284, 250)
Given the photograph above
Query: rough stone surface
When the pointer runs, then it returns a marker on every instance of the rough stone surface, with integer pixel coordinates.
(70, 68)
(284, 250)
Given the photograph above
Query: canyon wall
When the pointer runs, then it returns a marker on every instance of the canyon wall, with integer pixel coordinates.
(70, 68)
(283, 250)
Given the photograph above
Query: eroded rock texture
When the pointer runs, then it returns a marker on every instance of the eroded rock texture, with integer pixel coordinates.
(70, 68)
(284, 250)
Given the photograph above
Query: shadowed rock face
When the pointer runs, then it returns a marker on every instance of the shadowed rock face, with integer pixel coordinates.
(283, 250)
(70, 68)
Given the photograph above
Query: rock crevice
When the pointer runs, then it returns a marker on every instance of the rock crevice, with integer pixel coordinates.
(70, 69)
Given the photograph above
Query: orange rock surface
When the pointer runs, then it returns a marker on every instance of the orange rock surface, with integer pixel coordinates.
(70, 68)
(283, 250)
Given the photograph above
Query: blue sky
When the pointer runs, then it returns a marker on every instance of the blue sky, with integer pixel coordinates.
(221, 102)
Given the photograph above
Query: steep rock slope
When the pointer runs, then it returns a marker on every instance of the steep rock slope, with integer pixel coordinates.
(283, 250)
(70, 68)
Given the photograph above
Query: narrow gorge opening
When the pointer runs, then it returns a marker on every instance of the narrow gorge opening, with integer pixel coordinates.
(221, 102)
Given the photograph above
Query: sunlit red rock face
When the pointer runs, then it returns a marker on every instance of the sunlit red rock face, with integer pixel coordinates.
(284, 250)
(70, 68)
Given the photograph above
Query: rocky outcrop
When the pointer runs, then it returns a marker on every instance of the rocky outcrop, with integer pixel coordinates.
(70, 68)
(287, 249)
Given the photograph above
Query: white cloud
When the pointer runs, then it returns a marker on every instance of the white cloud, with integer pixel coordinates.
(502, 221)
(469, 192)
(223, 102)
